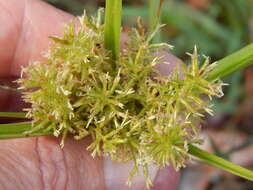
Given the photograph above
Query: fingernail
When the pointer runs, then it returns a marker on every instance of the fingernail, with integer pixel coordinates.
(117, 173)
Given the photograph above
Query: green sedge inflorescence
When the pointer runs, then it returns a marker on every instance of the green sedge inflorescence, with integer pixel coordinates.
(129, 109)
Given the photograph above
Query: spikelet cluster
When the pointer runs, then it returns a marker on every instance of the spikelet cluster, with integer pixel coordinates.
(129, 109)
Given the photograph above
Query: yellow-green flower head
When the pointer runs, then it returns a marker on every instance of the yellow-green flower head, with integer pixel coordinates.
(130, 111)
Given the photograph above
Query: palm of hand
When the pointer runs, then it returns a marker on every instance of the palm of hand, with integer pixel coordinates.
(40, 163)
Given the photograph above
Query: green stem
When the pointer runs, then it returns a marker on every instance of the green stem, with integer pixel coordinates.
(154, 9)
(13, 114)
(9, 88)
(113, 26)
(19, 135)
(232, 63)
(17, 130)
(221, 163)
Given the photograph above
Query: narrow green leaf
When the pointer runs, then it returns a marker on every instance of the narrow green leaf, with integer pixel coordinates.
(20, 135)
(13, 114)
(113, 15)
(154, 10)
(13, 128)
(152, 13)
(232, 63)
(221, 163)
(17, 130)
(9, 88)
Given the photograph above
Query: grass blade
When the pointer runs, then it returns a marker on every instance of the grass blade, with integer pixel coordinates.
(13, 114)
(113, 14)
(16, 130)
(153, 11)
(9, 88)
(19, 135)
(11, 128)
(232, 63)
(221, 163)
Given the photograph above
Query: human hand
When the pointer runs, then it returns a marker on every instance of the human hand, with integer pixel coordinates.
(40, 163)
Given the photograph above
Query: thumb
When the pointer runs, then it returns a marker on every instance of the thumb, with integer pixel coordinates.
(116, 174)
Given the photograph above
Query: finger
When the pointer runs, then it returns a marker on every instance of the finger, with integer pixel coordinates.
(24, 35)
(26, 25)
(116, 175)
(166, 179)
(168, 63)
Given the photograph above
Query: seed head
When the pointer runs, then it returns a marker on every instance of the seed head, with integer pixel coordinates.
(129, 109)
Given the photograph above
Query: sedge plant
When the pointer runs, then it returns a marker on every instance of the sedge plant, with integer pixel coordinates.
(88, 87)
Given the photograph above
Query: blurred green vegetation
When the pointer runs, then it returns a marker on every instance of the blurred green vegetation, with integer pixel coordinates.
(218, 28)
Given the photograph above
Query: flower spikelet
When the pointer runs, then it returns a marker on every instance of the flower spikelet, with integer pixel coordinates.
(129, 109)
